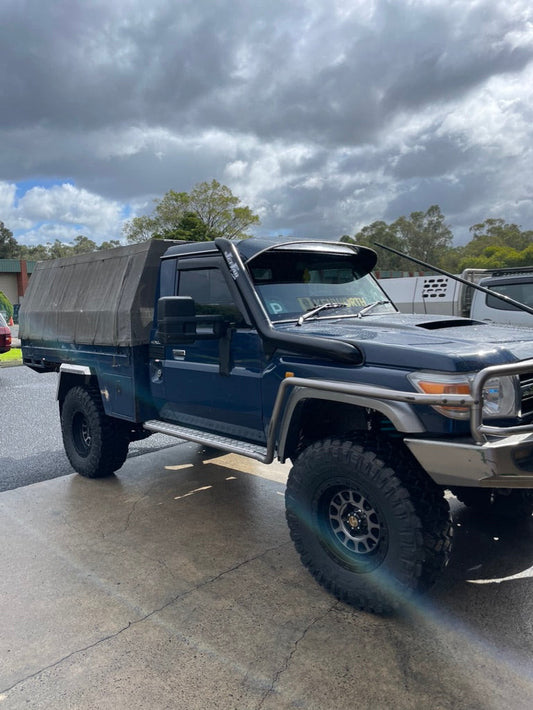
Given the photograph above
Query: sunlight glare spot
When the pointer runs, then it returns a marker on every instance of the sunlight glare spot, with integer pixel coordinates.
(528, 573)
(191, 493)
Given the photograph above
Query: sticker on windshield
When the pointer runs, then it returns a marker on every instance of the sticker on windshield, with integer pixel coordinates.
(275, 307)
(308, 302)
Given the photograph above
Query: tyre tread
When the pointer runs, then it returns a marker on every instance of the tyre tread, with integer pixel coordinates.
(113, 448)
(417, 502)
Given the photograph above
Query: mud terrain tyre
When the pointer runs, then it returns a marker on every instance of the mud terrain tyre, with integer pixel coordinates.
(95, 444)
(370, 533)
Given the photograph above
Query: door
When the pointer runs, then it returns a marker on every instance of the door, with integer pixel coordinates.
(214, 383)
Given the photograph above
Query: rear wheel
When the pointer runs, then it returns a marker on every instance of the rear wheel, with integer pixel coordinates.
(362, 528)
(95, 444)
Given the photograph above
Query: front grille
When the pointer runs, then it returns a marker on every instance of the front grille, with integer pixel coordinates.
(526, 390)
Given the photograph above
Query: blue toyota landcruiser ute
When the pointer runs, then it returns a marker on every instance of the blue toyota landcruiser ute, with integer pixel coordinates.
(290, 350)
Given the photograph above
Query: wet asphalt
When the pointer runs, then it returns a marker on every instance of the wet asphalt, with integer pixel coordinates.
(31, 448)
(174, 585)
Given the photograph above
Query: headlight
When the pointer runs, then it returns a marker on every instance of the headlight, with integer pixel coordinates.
(500, 394)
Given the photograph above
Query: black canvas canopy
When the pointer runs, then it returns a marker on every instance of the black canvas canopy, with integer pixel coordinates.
(101, 298)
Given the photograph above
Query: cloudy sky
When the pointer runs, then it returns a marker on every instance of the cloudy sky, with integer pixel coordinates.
(321, 115)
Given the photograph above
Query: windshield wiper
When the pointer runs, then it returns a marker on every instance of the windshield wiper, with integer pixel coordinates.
(313, 311)
(370, 307)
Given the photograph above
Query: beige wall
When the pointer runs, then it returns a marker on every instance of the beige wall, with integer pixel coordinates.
(8, 284)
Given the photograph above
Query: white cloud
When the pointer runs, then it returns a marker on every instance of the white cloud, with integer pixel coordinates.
(70, 205)
(60, 212)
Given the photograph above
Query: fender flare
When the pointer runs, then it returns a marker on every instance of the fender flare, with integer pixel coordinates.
(69, 375)
(401, 414)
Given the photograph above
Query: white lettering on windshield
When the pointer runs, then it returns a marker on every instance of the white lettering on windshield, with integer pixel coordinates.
(311, 302)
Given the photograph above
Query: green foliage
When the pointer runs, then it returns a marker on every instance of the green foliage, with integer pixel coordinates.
(423, 235)
(210, 210)
(12, 356)
(111, 244)
(37, 253)
(57, 249)
(382, 233)
(496, 244)
(189, 228)
(497, 257)
(496, 232)
(140, 229)
(9, 247)
(6, 307)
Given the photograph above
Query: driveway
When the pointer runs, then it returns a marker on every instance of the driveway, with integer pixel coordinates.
(175, 585)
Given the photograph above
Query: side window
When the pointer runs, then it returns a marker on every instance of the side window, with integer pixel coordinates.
(518, 291)
(210, 292)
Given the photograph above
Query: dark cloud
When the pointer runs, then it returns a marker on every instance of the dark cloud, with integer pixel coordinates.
(323, 114)
(432, 155)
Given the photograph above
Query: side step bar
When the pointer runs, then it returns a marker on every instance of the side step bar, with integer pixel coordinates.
(234, 446)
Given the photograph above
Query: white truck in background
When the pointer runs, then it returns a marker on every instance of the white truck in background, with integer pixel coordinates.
(445, 295)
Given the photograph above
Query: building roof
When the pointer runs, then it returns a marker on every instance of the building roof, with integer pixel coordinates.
(12, 266)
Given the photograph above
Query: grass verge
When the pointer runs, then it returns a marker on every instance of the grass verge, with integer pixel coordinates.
(13, 357)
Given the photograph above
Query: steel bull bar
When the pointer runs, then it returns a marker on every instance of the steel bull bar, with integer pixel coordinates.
(494, 457)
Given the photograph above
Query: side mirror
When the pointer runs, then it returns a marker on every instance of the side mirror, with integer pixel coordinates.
(176, 320)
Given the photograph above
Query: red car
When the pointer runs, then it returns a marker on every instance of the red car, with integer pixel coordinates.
(5, 335)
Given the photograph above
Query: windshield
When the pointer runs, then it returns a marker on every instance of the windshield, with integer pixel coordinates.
(292, 283)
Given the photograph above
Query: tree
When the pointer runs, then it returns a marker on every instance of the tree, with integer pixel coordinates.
(83, 245)
(382, 233)
(9, 248)
(36, 253)
(496, 244)
(140, 229)
(58, 249)
(497, 232)
(111, 244)
(210, 210)
(423, 235)
(498, 257)
(190, 228)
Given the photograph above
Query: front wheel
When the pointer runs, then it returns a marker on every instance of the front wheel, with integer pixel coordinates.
(95, 444)
(363, 529)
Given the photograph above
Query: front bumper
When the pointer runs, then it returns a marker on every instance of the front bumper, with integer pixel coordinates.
(494, 456)
(502, 463)
(498, 457)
